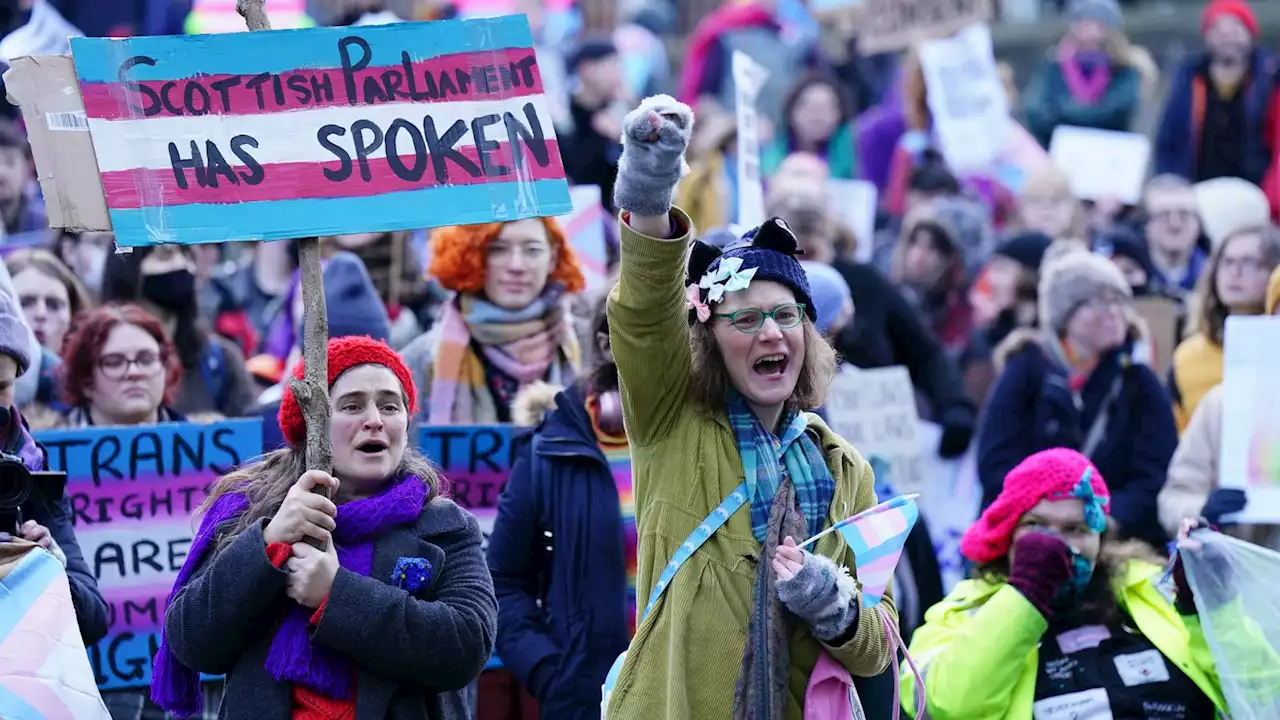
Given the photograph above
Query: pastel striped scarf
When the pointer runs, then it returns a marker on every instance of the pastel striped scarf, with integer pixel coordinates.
(528, 345)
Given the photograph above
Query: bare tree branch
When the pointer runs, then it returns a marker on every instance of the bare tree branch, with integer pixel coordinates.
(254, 13)
(312, 391)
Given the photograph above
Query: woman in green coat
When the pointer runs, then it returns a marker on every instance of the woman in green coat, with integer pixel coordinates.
(718, 360)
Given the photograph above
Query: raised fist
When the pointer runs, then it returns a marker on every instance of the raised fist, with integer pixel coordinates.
(654, 138)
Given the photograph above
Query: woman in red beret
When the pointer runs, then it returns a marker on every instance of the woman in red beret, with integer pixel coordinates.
(389, 620)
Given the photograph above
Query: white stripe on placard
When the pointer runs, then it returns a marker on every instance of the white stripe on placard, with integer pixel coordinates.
(290, 136)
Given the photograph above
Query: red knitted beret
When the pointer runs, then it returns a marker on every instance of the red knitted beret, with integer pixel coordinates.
(1051, 474)
(344, 354)
(1236, 8)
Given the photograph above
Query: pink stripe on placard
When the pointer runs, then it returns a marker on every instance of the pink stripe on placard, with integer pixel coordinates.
(489, 75)
(144, 187)
(37, 693)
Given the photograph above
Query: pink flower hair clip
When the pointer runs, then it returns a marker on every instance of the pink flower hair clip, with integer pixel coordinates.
(693, 295)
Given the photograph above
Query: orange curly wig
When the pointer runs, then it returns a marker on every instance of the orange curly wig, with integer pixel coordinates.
(458, 257)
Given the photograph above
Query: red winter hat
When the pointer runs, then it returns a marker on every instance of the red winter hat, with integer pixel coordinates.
(344, 354)
(1236, 8)
(1055, 474)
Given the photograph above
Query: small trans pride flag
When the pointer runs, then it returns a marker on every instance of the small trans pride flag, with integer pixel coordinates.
(876, 536)
(44, 669)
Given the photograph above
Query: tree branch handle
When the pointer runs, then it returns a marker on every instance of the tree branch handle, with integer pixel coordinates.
(312, 391)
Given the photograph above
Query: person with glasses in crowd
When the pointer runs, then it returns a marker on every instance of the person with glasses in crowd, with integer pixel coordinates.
(1073, 383)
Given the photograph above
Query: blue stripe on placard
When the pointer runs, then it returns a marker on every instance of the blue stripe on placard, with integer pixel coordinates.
(277, 51)
(12, 706)
(23, 586)
(287, 219)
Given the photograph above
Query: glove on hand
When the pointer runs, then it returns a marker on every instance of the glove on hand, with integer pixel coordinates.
(1223, 501)
(654, 138)
(1041, 564)
(823, 595)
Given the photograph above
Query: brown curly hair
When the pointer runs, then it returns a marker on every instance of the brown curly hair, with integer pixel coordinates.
(459, 254)
(83, 344)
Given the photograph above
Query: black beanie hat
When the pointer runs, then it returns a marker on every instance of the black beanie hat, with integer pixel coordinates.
(770, 250)
(1026, 249)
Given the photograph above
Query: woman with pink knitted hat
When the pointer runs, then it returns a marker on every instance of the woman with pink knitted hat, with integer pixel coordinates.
(1058, 622)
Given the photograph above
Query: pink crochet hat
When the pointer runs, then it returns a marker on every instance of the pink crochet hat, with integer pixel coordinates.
(1054, 474)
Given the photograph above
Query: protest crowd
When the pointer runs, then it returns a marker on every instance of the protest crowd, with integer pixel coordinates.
(785, 360)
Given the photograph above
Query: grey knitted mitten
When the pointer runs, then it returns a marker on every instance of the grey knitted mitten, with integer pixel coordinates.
(822, 594)
(654, 138)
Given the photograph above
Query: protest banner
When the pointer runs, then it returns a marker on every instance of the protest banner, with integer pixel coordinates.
(966, 98)
(326, 131)
(875, 411)
(584, 228)
(476, 460)
(748, 78)
(1101, 164)
(132, 492)
(1250, 442)
(950, 502)
(893, 25)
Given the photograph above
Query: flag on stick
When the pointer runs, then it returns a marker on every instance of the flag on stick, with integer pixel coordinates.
(876, 536)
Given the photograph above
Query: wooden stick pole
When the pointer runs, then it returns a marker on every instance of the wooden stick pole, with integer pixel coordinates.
(312, 391)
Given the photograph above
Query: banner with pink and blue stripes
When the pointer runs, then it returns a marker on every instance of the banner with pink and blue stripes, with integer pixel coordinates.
(323, 131)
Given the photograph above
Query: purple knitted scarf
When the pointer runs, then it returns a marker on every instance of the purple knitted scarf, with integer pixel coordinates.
(293, 658)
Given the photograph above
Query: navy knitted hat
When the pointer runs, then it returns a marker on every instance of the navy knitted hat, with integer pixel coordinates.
(770, 250)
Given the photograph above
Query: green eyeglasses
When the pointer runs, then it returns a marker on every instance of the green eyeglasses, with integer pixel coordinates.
(750, 320)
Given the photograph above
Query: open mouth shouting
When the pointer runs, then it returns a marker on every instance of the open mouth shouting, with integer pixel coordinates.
(372, 448)
(771, 367)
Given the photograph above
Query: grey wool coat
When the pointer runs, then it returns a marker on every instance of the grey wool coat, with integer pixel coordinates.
(414, 653)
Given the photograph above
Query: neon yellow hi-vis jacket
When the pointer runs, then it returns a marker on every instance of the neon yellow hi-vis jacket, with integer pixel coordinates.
(979, 648)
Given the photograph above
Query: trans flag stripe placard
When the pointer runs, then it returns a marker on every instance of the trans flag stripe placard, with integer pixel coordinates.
(293, 133)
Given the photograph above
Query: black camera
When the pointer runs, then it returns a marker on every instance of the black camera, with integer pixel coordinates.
(18, 485)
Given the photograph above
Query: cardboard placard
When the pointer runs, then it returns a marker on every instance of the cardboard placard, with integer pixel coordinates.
(1161, 316)
(967, 98)
(46, 90)
(892, 25)
(133, 491)
(854, 202)
(1102, 164)
(875, 411)
(326, 131)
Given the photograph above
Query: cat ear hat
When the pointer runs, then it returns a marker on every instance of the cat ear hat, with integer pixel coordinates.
(764, 253)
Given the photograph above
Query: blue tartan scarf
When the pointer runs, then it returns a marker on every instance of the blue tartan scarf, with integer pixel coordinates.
(766, 459)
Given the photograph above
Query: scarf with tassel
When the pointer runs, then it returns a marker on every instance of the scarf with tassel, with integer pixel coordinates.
(528, 345)
(292, 658)
(762, 692)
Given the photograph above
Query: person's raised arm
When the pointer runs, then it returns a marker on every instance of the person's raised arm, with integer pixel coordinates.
(648, 320)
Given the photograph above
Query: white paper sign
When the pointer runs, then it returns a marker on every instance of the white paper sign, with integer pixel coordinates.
(748, 78)
(1250, 443)
(966, 98)
(875, 411)
(1101, 163)
(854, 202)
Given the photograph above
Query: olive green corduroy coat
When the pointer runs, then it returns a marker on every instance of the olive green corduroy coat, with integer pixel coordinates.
(684, 660)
